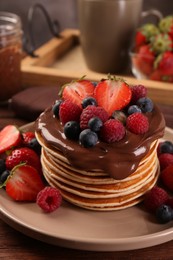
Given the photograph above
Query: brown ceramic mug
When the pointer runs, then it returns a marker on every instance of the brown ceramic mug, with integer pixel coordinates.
(106, 29)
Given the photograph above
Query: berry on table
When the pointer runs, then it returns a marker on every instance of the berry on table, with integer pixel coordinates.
(137, 123)
(3, 177)
(164, 214)
(167, 177)
(166, 147)
(27, 137)
(23, 155)
(165, 159)
(10, 137)
(49, 199)
(24, 183)
(88, 138)
(34, 145)
(155, 198)
(72, 130)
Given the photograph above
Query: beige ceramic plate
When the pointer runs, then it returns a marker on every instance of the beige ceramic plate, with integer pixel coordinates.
(77, 228)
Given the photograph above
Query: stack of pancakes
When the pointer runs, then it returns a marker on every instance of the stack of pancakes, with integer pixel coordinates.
(95, 189)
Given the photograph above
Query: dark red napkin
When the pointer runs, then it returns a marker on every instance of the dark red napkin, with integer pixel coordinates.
(29, 103)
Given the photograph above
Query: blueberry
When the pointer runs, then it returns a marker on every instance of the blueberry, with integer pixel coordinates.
(95, 123)
(4, 176)
(2, 165)
(55, 108)
(134, 109)
(145, 104)
(166, 147)
(94, 83)
(120, 116)
(72, 130)
(88, 138)
(34, 145)
(89, 101)
(164, 214)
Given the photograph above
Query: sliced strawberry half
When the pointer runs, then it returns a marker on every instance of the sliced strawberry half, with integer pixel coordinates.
(112, 94)
(78, 90)
(24, 183)
(10, 137)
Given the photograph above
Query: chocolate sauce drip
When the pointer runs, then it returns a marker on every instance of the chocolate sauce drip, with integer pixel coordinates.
(118, 159)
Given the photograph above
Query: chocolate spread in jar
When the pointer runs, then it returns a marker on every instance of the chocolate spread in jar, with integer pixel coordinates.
(10, 55)
(118, 159)
(10, 73)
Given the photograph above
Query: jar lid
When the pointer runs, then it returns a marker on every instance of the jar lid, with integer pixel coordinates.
(9, 24)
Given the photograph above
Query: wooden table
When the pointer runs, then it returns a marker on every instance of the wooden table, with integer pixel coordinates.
(15, 245)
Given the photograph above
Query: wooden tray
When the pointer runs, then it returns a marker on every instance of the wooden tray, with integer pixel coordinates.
(61, 60)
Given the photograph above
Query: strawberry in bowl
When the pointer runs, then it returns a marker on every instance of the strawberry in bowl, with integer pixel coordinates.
(152, 55)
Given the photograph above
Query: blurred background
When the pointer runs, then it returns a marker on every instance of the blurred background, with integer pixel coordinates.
(65, 11)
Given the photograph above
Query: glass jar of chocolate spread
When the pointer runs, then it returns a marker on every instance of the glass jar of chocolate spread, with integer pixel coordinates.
(10, 55)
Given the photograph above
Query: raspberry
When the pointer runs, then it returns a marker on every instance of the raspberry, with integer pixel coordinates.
(112, 130)
(155, 198)
(92, 111)
(49, 199)
(138, 91)
(69, 111)
(165, 160)
(137, 123)
(167, 177)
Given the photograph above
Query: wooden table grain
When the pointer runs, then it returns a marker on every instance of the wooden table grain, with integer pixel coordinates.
(15, 245)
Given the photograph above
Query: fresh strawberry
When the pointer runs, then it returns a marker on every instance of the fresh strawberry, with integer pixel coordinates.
(10, 137)
(156, 75)
(166, 25)
(167, 177)
(144, 34)
(23, 155)
(155, 198)
(144, 59)
(76, 91)
(27, 137)
(140, 39)
(69, 111)
(164, 63)
(161, 42)
(112, 94)
(24, 183)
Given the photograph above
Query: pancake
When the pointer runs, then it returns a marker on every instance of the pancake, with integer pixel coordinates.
(95, 190)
